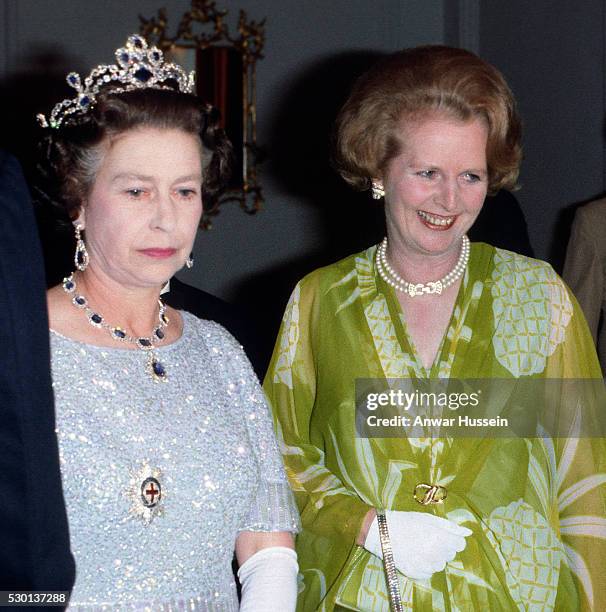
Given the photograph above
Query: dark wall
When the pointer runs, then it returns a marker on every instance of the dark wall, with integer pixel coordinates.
(552, 54)
(313, 51)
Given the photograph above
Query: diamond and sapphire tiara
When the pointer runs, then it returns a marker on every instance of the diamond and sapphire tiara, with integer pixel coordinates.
(139, 67)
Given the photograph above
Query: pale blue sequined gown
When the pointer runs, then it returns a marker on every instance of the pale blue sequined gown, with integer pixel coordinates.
(206, 436)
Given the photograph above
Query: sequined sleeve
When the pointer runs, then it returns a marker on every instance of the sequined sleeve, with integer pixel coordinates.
(273, 508)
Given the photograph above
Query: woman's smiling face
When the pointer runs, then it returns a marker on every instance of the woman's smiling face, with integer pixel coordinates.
(436, 186)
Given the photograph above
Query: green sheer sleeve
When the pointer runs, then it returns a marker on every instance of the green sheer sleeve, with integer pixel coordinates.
(575, 471)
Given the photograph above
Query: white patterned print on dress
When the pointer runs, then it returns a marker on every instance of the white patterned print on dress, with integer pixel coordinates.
(364, 269)
(288, 340)
(372, 595)
(546, 474)
(384, 337)
(394, 361)
(533, 308)
(530, 552)
(361, 279)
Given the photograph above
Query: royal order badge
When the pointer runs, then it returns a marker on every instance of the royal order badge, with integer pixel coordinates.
(146, 493)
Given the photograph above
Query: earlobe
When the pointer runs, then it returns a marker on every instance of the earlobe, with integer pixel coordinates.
(81, 218)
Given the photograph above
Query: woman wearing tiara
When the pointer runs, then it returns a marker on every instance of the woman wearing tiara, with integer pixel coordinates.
(168, 458)
(461, 523)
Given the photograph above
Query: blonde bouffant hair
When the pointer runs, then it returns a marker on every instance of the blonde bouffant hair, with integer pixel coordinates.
(424, 81)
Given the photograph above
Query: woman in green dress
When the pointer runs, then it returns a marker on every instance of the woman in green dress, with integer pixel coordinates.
(413, 520)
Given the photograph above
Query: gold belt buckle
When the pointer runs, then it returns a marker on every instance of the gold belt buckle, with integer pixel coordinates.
(429, 494)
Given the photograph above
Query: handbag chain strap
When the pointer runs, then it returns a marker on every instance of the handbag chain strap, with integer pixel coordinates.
(393, 587)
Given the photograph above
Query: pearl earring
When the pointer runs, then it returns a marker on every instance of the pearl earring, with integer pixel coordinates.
(377, 189)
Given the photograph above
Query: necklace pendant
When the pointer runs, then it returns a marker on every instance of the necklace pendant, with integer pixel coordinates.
(422, 288)
(68, 284)
(414, 290)
(435, 287)
(155, 368)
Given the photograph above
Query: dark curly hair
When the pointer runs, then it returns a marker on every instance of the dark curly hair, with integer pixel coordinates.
(407, 86)
(69, 156)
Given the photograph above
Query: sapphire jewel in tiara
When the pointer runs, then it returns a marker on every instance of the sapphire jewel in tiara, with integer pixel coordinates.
(138, 67)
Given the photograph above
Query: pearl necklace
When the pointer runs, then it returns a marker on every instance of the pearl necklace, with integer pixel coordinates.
(392, 278)
(146, 343)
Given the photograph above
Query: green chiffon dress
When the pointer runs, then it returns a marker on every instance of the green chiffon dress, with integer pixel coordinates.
(536, 506)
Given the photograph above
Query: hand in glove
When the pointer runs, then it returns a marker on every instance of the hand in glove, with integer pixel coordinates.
(422, 543)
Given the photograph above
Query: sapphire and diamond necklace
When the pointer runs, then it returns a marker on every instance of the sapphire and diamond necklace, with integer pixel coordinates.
(154, 367)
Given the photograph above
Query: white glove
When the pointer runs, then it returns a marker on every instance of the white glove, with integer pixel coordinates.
(422, 544)
(269, 580)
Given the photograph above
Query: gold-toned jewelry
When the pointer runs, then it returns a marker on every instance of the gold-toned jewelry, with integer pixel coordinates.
(427, 494)
(391, 576)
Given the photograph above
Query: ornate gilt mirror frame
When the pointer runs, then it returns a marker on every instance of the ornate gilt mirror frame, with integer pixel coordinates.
(225, 68)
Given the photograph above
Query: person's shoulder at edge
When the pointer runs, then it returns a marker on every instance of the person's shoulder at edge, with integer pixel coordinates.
(593, 215)
(12, 178)
(595, 206)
